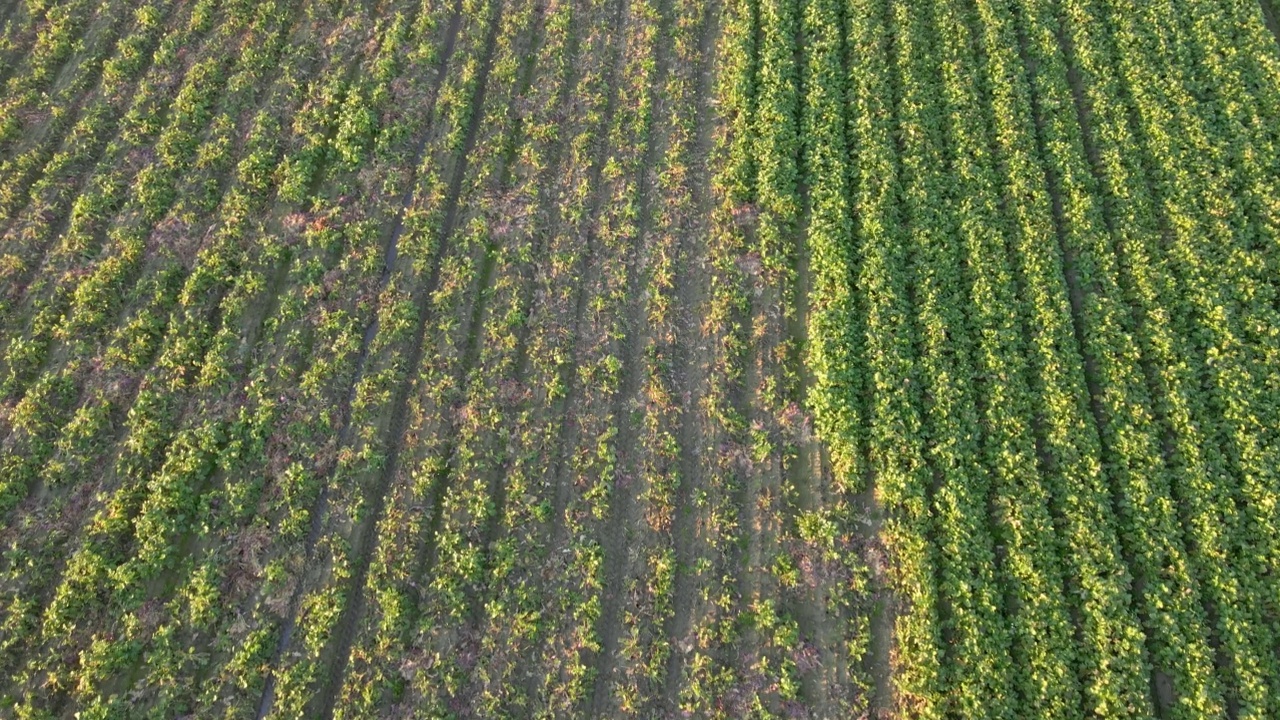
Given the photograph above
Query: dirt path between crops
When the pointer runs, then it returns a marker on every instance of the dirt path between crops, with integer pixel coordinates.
(878, 663)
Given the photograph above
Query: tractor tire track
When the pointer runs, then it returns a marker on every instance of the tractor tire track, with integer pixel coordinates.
(691, 370)
(546, 182)
(365, 541)
(619, 533)
(567, 434)
(320, 508)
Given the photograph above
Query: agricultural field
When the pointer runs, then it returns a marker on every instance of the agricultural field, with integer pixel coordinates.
(640, 358)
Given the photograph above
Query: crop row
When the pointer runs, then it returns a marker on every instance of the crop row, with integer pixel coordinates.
(212, 290)
(1033, 401)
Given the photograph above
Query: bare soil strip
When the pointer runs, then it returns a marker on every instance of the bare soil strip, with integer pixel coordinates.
(884, 608)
